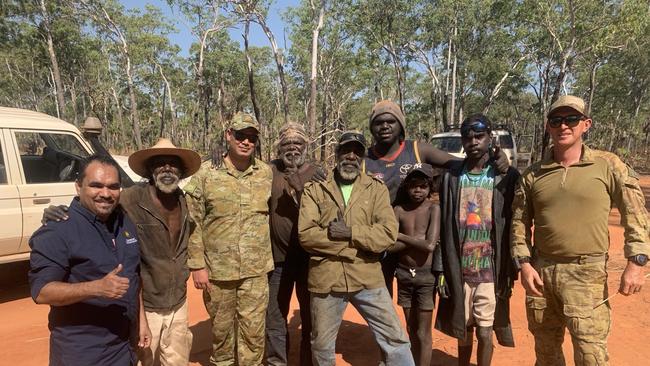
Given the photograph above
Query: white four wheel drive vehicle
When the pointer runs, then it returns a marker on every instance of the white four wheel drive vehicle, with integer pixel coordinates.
(451, 143)
(39, 161)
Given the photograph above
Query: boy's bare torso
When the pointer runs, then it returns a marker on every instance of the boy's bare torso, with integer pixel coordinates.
(415, 222)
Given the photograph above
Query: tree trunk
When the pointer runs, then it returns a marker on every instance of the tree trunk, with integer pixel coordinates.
(452, 107)
(249, 69)
(56, 74)
(314, 72)
(279, 61)
(73, 100)
(170, 98)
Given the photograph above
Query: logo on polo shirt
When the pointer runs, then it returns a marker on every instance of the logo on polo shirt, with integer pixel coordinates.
(129, 239)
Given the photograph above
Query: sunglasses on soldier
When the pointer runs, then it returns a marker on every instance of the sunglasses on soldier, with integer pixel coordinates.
(570, 121)
(241, 136)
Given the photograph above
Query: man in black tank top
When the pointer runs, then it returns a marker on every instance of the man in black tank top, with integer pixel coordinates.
(392, 156)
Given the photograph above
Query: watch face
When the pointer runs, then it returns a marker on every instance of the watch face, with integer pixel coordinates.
(640, 259)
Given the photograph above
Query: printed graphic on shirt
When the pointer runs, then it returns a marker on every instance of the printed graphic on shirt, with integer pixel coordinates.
(475, 218)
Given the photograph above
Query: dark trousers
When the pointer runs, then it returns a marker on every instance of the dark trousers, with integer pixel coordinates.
(388, 267)
(281, 284)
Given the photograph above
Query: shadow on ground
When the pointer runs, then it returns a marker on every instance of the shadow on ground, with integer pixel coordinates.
(13, 281)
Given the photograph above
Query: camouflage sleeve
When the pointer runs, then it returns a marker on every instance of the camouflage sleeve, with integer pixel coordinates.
(522, 219)
(196, 207)
(628, 198)
(381, 233)
(313, 237)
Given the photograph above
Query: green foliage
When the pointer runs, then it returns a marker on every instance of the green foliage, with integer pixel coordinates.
(512, 58)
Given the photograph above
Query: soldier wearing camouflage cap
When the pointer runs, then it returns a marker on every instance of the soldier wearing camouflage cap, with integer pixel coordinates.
(230, 249)
(568, 196)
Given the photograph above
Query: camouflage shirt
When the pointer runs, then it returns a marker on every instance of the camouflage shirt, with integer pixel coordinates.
(569, 207)
(231, 212)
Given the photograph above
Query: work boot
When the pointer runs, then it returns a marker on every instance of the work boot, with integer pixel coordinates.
(485, 346)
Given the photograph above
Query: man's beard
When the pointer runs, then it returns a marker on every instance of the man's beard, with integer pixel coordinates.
(166, 182)
(347, 170)
(293, 159)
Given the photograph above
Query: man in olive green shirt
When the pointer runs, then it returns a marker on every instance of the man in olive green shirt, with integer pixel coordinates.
(230, 249)
(567, 197)
(345, 223)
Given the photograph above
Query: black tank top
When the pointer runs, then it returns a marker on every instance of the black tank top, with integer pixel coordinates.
(392, 169)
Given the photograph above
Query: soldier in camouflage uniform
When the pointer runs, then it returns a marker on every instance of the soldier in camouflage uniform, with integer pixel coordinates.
(230, 250)
(567, 197)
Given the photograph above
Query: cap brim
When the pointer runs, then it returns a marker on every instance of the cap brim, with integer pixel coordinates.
(191, 160)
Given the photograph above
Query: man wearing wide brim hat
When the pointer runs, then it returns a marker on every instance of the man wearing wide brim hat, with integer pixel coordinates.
(159, 210)
(190, 159)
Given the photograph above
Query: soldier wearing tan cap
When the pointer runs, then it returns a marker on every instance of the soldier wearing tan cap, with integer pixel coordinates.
(567, 197)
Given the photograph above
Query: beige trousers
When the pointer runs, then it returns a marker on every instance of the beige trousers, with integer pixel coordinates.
(171, 338)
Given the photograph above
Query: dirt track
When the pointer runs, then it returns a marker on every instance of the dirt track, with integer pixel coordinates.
(25, 335)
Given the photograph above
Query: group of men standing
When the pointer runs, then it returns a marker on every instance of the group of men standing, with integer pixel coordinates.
(249, 232)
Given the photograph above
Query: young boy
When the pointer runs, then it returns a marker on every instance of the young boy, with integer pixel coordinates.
(476, 215)
(419, 225)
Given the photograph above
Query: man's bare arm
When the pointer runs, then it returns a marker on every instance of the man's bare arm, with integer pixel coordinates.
(442, 159)
(436, 157)
(58, 293)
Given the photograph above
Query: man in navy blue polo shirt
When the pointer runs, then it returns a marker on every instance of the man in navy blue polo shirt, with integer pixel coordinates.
(87, 269)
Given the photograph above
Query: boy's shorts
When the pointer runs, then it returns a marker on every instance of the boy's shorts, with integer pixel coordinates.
(415, 287)
(480, 303)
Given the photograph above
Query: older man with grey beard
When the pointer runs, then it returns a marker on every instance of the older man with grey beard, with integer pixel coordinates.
(290, 172)
(346, 223)
(159, 210)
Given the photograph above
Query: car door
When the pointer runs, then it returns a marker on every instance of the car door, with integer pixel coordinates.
(10, 211)
(48, 162)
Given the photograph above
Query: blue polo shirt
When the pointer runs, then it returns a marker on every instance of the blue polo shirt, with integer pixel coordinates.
(95, 331)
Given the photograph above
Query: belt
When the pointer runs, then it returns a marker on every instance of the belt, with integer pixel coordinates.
(580, 259)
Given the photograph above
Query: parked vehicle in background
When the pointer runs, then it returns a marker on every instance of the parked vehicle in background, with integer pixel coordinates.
(40, 157)
(524, 152)
(450, 142)
(123, 162)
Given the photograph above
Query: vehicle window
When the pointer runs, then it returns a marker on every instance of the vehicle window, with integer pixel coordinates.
(505, 141)
(451, 144)
(69, 144)
(49, 157)
(3, 169)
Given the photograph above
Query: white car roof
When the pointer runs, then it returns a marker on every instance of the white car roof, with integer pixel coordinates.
(21, 118)
(447, 134)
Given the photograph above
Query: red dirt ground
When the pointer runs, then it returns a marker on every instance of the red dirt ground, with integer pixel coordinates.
(24, 332)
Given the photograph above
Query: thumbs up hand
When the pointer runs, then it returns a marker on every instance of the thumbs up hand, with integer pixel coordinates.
(337, 229)
(113, 286)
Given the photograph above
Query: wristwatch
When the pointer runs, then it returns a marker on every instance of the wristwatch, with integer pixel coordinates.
(639, 259)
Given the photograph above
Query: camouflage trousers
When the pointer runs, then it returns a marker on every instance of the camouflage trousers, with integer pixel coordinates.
(237, 311)
(571, 290)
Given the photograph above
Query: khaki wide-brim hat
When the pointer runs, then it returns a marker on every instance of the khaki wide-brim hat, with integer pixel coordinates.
(191, 160)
